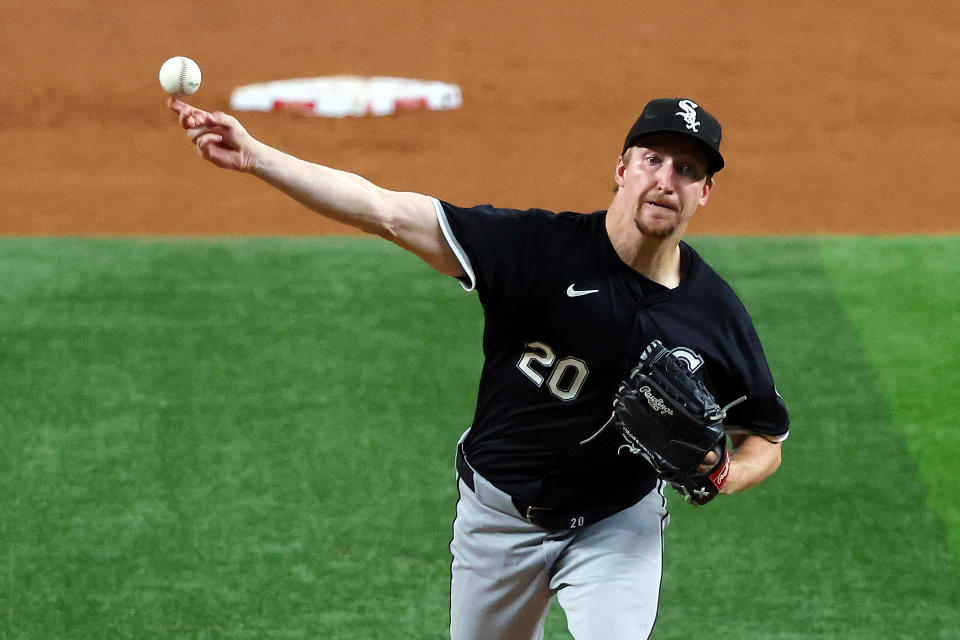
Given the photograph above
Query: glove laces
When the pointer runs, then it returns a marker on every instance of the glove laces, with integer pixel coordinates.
(717, 415)
(721, 414)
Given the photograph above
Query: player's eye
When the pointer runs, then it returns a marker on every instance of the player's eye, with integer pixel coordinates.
(689, 170)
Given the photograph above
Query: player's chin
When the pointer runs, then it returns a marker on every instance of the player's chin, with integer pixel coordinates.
(656, 229)
(656, 222)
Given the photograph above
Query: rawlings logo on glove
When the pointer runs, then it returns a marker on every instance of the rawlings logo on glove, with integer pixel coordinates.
(657, 404)
(667, 416)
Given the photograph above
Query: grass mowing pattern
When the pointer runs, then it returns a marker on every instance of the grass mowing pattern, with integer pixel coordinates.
(201, 439)
(838, 544)
(254, 438)
(902, 295)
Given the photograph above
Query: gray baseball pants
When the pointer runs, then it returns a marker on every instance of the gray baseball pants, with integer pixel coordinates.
(506, 571)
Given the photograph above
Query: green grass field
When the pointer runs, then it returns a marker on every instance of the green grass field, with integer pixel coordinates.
(254, 439)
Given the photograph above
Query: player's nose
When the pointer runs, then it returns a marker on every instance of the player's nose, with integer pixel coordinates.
(666, 177)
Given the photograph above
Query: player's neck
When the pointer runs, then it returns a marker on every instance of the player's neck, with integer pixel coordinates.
(655, 258)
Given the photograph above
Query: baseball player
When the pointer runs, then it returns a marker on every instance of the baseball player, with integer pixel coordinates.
(552, 504)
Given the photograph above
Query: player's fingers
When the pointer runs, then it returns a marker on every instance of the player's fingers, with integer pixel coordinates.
(189, 117)
(226, 121)
(195, 133)
(177, 105)
(207, 138)
(208, 145)
(708, 461)
(188, 120)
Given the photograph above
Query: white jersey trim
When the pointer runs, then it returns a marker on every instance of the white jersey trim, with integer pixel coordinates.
(471, 280)
(746, 432)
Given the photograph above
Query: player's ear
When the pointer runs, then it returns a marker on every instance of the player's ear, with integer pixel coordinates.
(621, 169)
(707, 188)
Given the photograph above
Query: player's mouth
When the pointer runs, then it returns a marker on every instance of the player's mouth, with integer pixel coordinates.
(663, 205)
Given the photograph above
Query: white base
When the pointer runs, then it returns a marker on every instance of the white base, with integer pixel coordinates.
(342, 96)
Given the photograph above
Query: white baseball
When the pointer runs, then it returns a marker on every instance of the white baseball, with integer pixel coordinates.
(180, 76)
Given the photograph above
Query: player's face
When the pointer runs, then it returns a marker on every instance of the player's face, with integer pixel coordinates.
(663, 180)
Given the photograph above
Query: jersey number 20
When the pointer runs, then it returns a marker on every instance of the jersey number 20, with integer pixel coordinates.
(564, 380)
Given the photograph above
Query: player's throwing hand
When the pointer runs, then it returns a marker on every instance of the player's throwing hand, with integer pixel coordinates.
(220, 138)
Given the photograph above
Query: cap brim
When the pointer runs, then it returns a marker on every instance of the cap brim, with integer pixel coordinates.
(714, 159)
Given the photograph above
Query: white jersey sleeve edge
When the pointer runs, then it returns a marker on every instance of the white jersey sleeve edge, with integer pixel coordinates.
(471, 280)
(732, 430)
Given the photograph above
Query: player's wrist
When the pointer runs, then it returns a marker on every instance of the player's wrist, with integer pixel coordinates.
(731, 484)
(261, 160)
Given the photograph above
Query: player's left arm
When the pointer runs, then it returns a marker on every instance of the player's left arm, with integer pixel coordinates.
(753, 459)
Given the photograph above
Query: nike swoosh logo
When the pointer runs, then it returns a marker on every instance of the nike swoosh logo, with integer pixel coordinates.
(573, 293)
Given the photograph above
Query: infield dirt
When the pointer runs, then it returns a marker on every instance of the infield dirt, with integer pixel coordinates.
(838, 117)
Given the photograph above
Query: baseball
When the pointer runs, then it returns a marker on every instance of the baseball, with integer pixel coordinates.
(180, 76)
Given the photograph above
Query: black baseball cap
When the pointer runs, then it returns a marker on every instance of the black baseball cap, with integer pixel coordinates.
(683, 116)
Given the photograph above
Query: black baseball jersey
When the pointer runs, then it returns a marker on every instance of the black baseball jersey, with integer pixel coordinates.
(565, 321)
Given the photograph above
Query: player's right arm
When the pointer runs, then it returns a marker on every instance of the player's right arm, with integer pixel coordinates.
(406, 219)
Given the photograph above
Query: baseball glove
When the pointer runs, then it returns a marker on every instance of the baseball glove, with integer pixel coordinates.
(667, 416)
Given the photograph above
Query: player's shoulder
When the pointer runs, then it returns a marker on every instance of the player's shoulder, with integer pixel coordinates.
(531, 213)
(518, 219)
(575, 225)
(704, 270)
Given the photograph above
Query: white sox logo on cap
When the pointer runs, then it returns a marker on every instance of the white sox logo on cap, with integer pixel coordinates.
(683, 116)
(688, 111)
